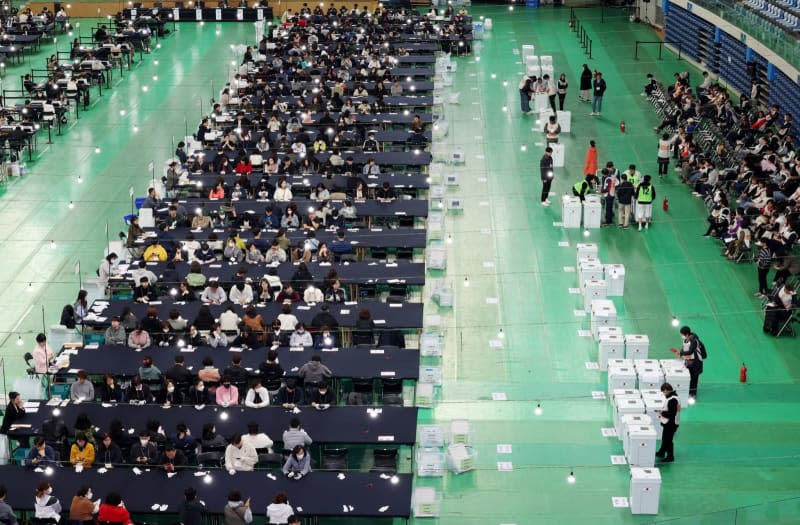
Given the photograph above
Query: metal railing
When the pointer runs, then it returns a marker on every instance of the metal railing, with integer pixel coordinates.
(660, 43)
(580, 31)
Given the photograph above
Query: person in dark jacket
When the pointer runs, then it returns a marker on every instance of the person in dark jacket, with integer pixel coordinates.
(14, 411)
(670, 420)
(363, 331)
(546, 173)
(108, 452)
(625, 192)
(191, 511)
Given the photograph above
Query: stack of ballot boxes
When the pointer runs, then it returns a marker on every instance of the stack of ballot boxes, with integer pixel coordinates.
(615, 275)
(631, 420)
(603, 315)
(641, 445)
(584, 249)
(592, 210)
(611, 345)
(637, 346)
(626, 405)
(677, 375)
(571, 211)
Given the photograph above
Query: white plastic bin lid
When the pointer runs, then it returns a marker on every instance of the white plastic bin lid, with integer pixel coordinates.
(424, 495)
(620, 363)
(637, 338)
(626, 392)
(629, 403)
(645, 474)
(621, 371)
(642, 431)
(641, 364)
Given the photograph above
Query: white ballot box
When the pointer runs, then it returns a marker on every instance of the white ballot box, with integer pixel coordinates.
(586, 248)
(620, 362)
(592, 210)
(637, 346)
(593, 290)
(590, 270)
(571, 212)
(558, 155)
(610, 346)
(653, 405)
(621, 377)
(615, 275)
(460, 458)
(626, 405)
(604, 313)
(679, 379)
(430, 462)
(631, 420)
(645, 490)
(650, 377)
(425, 502)
(641, 446)
(528, 50)
(564, 119)
(539, 104)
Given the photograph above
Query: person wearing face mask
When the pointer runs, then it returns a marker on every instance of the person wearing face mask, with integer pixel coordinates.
(46, 506)
(227, 394)
(82, 509)
(298, 464)
(144, 452)
(198, 395)
(290, 395)
(240, 456)
(300, 337)
(172, 396)
(322, 397)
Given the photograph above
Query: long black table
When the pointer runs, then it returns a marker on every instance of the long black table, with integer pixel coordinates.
(338, 424)
(385, 315)
(390, 363)
(360, 272)
(418, 157)
(368, 208)
(417, 181)
(318, 494)
(207, 14)
(362, 238)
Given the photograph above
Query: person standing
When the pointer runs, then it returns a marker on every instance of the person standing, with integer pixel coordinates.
(561, 87)
(546, 173)
(7, 516)
(552, 91)
(586, 83)
(525, 94)
(764, 262)
(692, 358)
(599, 89)
(590, 163)
(645, 195)
(664, 147)
(582, 188)
(625, 192)
(609, 191)
(670, 420)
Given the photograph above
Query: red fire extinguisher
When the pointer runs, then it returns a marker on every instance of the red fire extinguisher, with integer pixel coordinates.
(743, 374)
(622, 126)
(665, 204)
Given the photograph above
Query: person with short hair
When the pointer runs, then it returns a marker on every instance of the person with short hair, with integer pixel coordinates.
(279, 510)
(670, 418)
(240, 456)
(42, 354)
(645, 195)
(82, 509)
(295, 435)
(546, 174)
(236, 511)
(7, 516)
(257, 439)
(190, 511)
(41, 454)
(115, 334)
(298, 464)
(113, 510)
(82, 451)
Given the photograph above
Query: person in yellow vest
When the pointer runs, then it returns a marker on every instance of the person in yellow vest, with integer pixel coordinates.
(645, 195)
(581, 188)
(634, 175)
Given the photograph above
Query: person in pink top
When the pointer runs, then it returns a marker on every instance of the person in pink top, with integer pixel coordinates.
(42, 354)
(227, 394)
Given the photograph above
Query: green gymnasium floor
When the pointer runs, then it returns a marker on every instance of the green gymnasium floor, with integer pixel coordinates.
(737, 449)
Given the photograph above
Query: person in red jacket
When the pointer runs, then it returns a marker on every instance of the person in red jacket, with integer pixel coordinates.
(590, 164)
(112, 510)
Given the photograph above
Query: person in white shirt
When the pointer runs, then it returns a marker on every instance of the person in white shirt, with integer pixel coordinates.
(240, 456)
(257, 440)
(275, 254)
(299, 149)
(257, 396)
(283, 192)
(45, 505)
(300, 337)
(241, 293)
(312, 294)
(214, 294)
(229, 320)
(279, 511)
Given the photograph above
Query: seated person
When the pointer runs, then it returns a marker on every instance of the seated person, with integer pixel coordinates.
(240, 456)
(257, 439)
(82, 452)
(198, 394)
(40, 455)
(144, 293)
(322, 397)
(171, 458)
(298, 464)
(144, 452)
(257, 396)
(108, 452)
(290, 396)
(138, 392)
